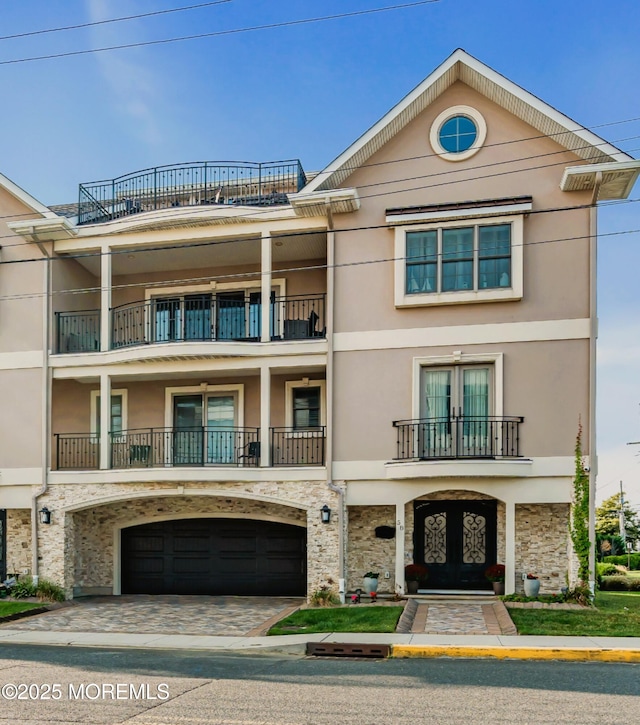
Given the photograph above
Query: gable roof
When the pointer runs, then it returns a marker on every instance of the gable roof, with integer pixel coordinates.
(25, 198)
(464, 67)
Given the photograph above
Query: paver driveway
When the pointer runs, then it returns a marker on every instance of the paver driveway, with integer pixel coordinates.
(162, 614)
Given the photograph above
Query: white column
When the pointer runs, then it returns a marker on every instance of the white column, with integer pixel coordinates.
(265, 415)
(400, 548)
(265, 287)
(105, 298)
(105, 420)
(510, 548)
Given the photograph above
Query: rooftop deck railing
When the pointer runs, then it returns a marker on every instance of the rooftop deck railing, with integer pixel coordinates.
(464, 437)
(235, 183)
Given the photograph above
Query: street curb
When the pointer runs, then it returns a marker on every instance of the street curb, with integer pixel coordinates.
(570, 654)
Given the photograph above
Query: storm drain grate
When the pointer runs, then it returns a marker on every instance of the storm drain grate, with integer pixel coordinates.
(321, 649)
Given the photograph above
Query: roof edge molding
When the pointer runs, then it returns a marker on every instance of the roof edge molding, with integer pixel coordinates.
(616, 180)
(311, 204)
(494, 86)
(26, 198)
(50, 229)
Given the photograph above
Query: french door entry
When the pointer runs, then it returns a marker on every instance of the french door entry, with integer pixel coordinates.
(456, 541)
(233, 315)
(455, 410)
(204, 429)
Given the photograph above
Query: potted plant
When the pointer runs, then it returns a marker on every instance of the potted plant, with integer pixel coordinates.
(531, 585)
(495, 574)
(415, 574)
(371, 581)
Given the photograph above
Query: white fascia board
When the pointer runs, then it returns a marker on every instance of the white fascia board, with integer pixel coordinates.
(51, 227)
(461, 56)
(471, 213)
(26, 198)
(384, 121)
(628, 168)
(539, 105)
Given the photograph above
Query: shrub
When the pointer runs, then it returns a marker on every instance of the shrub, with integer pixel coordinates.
(23, 588)
(324, 597)
(47, 591)
(634, 561)
(607, 569)
(620, 584)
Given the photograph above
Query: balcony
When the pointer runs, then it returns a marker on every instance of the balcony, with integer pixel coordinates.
(201, 446)
(188, 185)
(234, 317)
(458, 438)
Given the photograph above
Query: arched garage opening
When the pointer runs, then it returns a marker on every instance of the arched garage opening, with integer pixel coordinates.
(214, 556)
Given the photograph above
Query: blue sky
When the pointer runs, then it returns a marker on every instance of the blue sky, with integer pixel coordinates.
(307, 92)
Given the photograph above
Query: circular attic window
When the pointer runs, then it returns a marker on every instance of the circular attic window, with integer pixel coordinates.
(458, 133)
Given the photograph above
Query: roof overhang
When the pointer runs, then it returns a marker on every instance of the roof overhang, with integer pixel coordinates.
(51, 229)
(463, 210)
(616, 179)
(461, 66)
(317, 203)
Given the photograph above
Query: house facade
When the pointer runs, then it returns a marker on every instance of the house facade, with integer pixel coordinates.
(411, 393)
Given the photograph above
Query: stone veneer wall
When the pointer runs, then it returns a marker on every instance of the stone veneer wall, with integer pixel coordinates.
(77, 548)
(365, 552)
(543, 545)
(18, 541)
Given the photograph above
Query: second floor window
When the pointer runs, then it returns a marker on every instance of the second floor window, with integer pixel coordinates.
(458, 258)
(306, 407)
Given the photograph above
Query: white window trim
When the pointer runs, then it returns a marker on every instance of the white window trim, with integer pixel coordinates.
(497, 294)
(95, 394)
(442, 118)
(289, 387)
(459, 358)
(203, 389)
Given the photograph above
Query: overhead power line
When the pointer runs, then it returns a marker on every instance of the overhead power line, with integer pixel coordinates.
(113, 20)
(219, 33)
(258, 272)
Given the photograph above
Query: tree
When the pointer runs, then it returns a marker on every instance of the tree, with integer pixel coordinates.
(608, 519)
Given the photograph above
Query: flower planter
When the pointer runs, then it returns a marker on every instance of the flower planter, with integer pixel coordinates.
(370, 584)
(498, 588)
(531, 587)
(412, 587)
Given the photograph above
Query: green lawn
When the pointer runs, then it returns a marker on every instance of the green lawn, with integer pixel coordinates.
(7, 608)
(361, 618)
(617, 614)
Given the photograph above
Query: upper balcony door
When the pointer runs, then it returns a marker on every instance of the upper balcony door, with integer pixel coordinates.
(204, 429)
(229, 315)
(456, 405)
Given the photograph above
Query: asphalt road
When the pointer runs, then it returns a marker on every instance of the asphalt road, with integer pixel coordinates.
(145, 687)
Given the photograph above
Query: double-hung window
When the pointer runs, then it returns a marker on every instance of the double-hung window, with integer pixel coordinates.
(459, 258)
(464, 260)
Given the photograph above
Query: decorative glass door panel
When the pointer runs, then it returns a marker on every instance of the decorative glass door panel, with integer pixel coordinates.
(455, 407)
(456, 541)
(231, 316)
(188, 431)
(220, 433)
(167, 320)
(197, 317)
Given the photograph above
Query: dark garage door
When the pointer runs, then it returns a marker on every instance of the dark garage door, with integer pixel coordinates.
(214, 556)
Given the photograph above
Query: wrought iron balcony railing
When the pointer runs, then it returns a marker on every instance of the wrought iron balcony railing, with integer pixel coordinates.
(458, 437)
(202, 183)
(202, 317)
(295, 447)
(154, 447)
(78, 331)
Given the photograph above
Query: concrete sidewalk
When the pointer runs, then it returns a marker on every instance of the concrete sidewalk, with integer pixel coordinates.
(600, 649)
